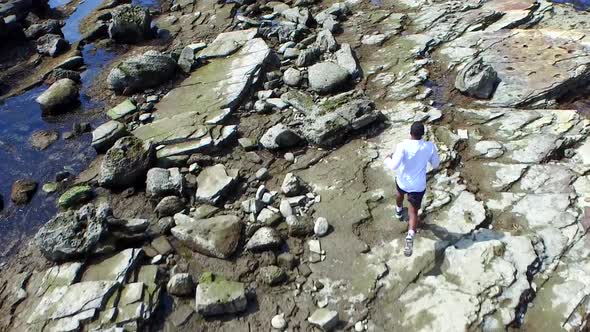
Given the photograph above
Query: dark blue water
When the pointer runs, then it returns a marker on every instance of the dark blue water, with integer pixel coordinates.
(20, 117)
(578, 4)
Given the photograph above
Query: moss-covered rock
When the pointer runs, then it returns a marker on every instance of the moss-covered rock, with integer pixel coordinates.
(74, 196)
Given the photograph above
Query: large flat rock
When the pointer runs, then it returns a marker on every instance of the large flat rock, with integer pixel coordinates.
(534, 66)
(188, 118)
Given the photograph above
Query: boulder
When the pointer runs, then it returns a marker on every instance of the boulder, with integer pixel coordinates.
(59, 95)
(105, 135)
(299, 227)
(308, 56)
(169, 206)
(181, 284)
(22, 191)
(161, 182)
(292, 185)
(51, 44)
(346, 59)
(279, 136)
(321, 226)
(130, 24)
(326, 41)
(74, 196)
(265, 238)
(477, 80)
(125, 163)
(292, 77)
(35, 31)
(216, 237)
(220, 296)
(141, 72)
(72, 234)
(326, 77)
(330, 123)
(212, 183)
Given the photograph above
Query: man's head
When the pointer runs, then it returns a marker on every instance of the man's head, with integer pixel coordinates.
(417, 130)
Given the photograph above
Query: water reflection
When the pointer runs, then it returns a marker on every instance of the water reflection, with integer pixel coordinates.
(578, 4)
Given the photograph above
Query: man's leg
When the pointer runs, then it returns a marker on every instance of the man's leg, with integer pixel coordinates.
(399, 205)
(415, 200)
(413, 212)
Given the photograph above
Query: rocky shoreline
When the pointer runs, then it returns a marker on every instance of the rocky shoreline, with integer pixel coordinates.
(239, 181)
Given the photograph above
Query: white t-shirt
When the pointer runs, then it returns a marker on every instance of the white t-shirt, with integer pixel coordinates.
(410, 159)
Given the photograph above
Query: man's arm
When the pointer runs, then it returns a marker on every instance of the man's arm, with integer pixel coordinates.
(434, 159)
(393, 162)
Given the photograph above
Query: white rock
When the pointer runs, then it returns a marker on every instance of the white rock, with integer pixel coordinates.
(321, 226)
(315, 246)
(262, 174)
(278, 322)
(324, 319)
(285, 208)
(359, 326)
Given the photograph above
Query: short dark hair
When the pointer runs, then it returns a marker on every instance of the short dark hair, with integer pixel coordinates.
(417, 130)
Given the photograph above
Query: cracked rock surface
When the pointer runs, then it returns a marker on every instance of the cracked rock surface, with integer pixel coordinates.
(258, 196)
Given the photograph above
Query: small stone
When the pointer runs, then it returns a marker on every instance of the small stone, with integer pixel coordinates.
(42, 139)
(286, 260)
(262, 174)
(359, 326)
(169, 206)
(291, 185)
(157, 259)
(324, 319)
(279, 136)
(321, 227)
(125, 108)
(181, 284)
(215, 296)
(49, 188)
(272, 275)
(290, 157)
(278, 322)
(265, 238)
(291, 53)
(162, 245)
(247, 143)
(22, 191)
(74, 196)
(268, 217)
(285, 208)
(298, 227)
(322, 303)
(267, 198)
(292, 77)
(315, 246)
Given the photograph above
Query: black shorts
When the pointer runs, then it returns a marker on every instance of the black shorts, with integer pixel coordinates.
(414, 198)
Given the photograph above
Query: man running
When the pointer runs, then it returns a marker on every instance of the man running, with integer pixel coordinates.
(410, 159)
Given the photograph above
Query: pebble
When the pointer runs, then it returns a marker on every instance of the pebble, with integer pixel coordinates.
(359, 326)
(321, 226)
(157, 259)
(262, 174)
(278, 322)
(289, 157)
